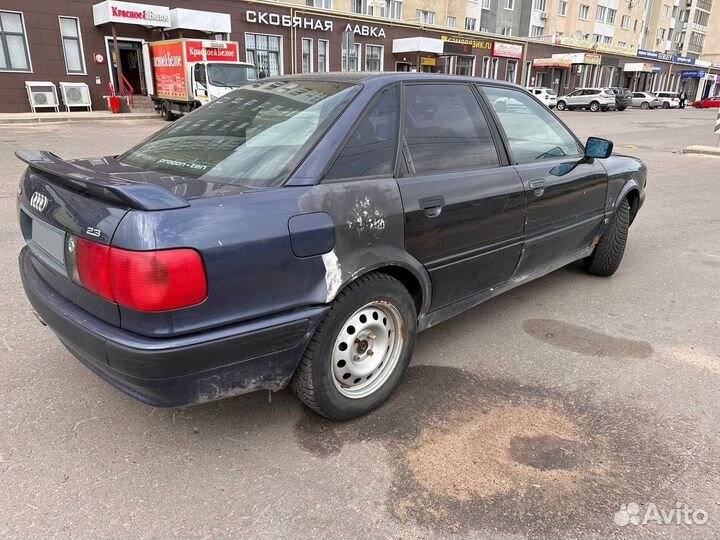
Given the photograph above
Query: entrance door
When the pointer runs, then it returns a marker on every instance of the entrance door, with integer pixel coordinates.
(402, 66)
(131, 63)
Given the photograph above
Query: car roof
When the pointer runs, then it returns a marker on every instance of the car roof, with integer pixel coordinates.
(385, 77)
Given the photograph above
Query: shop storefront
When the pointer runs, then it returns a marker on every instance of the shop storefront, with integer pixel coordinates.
(641, 76)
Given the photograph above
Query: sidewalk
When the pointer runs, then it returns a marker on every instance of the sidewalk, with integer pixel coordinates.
(75, 116)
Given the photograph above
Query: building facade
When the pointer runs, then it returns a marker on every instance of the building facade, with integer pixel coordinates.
(63, 41)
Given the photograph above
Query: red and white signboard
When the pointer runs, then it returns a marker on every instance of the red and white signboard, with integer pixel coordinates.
(507, 50)
(168, 65)
(227, 51)
(113, 11)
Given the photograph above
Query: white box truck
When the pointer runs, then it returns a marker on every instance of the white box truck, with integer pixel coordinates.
(184, 74)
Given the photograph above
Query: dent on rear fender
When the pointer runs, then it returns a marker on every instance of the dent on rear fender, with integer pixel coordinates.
(369, 229)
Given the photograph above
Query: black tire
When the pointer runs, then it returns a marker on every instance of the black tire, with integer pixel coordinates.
(594, 106)
(621, 108)
(608, 253)
(665, 105)
(645, 105)
(605, 109)
(165, 112)
(314, 380)
(561, 106)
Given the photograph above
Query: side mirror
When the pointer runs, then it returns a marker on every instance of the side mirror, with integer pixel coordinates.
(596, 147)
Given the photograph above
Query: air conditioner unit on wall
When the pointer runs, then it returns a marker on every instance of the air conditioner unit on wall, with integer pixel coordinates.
(75, 95)
(42, 95)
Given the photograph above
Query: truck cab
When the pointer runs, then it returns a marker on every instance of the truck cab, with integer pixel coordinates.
(211, 80)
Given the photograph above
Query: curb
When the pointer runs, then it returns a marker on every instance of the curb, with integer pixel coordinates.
(55, 120)
(702, 150)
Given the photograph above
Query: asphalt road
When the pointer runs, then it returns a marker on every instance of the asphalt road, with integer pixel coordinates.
(537, 414)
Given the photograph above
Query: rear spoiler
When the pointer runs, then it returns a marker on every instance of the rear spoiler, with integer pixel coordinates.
(102, 185)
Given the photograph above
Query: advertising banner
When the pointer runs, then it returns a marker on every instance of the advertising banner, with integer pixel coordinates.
(168, 66)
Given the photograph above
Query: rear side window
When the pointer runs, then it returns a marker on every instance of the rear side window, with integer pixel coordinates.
(371, 149)
(533, 132)
(445, 130)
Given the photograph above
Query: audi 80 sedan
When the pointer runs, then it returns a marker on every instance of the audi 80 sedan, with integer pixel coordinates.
(302, 230)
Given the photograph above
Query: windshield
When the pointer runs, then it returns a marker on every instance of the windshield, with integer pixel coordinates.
(231, 74)
(254, 136)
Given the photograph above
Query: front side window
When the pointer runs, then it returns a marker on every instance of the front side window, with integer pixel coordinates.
(371, 148)
(14, 54)
(533, 132)
(445, 130)
(72, 47)
(265, 53)
(254, 136)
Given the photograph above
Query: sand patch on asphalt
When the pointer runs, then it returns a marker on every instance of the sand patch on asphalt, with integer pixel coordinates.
(698, 358)
(506, 450)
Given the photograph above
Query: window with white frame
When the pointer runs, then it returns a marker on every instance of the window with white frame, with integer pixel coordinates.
(470, 23)
(323, 56)
(484, 29)
(597, 38)
(374, 57)
(485, 4)
(486, 67)
(661, 33)
(265, 52)
(307, 55)
(625, 23)
(622, 44)
(510, 4)
(425, 17)
(14, 53)
(538, 5)
(364, 7)
(584, 12)
(506, 31)
(562, 8)
(394, 9)
(607, 40)
(611, 16)
(451, 22)
(536, 31)
(350, 60)
(72, 45)
(600, 13)
(511, 71)
(326, 4)
(495, 67)
(666, 10)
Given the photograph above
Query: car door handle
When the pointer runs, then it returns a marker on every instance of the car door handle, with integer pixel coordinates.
(537, 187)
(432, 205)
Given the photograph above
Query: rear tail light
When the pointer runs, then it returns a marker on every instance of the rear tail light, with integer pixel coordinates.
(142, 280)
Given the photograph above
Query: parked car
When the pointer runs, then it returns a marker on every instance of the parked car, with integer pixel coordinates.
(290, 233)
(595, 99)
(623, 97)
(669, 100)
(545, 95)
(645, 100)
(707, 103)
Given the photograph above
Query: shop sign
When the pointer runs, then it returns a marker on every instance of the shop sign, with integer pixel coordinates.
(693, 74)
(657, 55)
(457, 48)
(579, 58)
(551, 63)
(427, 61)
(507, 50)
(112, 11)
(310, 23)
(639, 67)
(224, 51)
(474, 43)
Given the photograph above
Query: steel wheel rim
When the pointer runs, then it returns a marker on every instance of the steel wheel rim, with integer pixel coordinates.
(367, 349)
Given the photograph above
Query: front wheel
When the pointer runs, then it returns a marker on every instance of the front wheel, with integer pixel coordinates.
(561, 106)
(608, 253)
(360, 350)
(594, 106)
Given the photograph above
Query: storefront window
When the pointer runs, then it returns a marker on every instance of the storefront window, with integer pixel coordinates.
(265, 52)
(70, 32)
(307, 47)
(14, 55)
(511, 71)
(373, 58)
(351, 62)
(465, 65)
(323, 56)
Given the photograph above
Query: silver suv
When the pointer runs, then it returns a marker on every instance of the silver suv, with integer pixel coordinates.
(595, 99)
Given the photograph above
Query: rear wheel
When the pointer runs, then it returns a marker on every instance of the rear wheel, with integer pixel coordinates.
(645, 105)
(621, 108)
(594, 106)
(167, 115)
(608, 253)
(665, 105)
(360, 351)
(561, 106)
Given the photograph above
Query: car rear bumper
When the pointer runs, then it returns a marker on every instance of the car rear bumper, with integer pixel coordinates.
(176, 371)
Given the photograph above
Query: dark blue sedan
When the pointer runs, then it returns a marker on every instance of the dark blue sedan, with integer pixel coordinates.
(302, 230)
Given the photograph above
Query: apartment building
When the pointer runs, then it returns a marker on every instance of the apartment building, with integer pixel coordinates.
(711, 50)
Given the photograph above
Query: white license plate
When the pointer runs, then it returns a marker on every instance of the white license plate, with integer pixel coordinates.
(49, 239)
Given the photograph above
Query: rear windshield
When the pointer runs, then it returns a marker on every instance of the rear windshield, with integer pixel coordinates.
(254, 136)
(550, 92)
